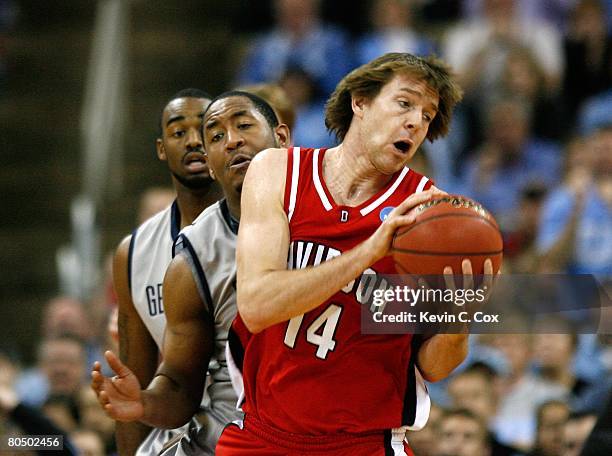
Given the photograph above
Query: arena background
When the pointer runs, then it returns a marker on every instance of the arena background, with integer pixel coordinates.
(61, 215)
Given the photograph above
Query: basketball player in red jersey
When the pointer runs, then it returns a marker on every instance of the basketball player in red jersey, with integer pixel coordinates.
(313, 222)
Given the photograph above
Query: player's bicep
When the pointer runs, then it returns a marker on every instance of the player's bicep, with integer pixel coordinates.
(137, 349)
(188, 340)
(263, 239)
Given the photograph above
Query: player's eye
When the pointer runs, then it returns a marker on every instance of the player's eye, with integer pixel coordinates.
(244, 126)
(404, 103)
(216, 137)
(178, 133)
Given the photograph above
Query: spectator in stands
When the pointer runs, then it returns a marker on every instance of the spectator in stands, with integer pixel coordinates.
(62, 316)
(462, 433)
(521, 393)
(554, 12)
(277, 97)
(522, 77)
(61, 370)
(392, 32)
(575, 233)
(63, 361)
(87, 442)
(92, 417)
(596, 113)
(588, 53)
(424, 442)
(553, 357)
(28, 420)
(477, 48)
(299, 39)
(62, 411)
(520, 253)
(304, 93)
(551, 418)
(508, 161)
(477, 389)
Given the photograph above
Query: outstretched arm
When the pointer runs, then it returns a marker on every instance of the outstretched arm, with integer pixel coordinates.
(267, 292)
(175, 393)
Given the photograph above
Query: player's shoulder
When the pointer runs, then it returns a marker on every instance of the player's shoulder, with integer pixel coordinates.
(211, 212)
(199, 227)
(150, 225)
(271, 158)
(122, 251)
(156, 219)
(267, 171)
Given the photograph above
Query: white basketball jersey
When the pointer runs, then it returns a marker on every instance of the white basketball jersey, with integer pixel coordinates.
(209, 245)
(150, 254)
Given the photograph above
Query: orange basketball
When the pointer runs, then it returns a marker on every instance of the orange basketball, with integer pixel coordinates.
(447, 229)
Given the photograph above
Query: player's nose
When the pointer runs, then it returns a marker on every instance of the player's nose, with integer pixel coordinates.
(414, 119)
(234, 139)
(194, 140)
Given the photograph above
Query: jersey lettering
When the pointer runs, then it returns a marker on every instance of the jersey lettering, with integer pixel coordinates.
(303, 254)
(155, 300)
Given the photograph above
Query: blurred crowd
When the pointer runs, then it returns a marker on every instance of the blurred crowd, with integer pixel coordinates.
(532, 141)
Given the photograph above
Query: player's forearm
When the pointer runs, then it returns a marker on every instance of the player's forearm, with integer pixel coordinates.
(276, 296)
(441, 354)
(167, 404)
(129, 436)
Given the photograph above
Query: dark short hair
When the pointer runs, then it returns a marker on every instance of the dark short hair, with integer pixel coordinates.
(184, 93)
(259, 103)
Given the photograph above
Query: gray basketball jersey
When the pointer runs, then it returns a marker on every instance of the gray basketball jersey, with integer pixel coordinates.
(209, 245)
(149, 255)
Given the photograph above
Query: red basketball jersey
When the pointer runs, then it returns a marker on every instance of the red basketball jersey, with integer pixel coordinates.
(317, 374)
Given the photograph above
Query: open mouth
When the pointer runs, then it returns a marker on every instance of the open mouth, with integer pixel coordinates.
(402, 146)
(195, 163)
(239, 161)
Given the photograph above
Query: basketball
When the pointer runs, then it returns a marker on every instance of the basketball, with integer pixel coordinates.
(447, 230)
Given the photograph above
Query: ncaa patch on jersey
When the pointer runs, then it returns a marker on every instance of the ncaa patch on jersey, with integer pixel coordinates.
(384, 212)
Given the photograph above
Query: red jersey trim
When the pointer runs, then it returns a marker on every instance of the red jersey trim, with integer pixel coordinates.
(292, 180)
(382, 198)
(422, 184)
(317, 181)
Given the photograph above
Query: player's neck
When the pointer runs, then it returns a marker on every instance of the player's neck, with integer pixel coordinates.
(350, 177)
(192, 202)
(233, 205)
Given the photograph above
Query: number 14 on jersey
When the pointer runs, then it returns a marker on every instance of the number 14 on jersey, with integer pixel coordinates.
(320, 332)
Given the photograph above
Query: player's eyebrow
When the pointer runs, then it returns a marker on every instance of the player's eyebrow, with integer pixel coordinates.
(174, 119)
(212, 123)
(180, 117)
(418, 93)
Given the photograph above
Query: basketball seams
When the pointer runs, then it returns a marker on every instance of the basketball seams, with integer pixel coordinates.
(411, 227)
(422, 252)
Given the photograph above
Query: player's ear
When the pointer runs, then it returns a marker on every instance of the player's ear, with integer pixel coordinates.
(283, 135)
(358, 102)
(161, 150)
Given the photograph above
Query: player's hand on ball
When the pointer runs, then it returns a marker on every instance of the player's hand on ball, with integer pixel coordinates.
(119, 395)
(380, 241)
(468, 278)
